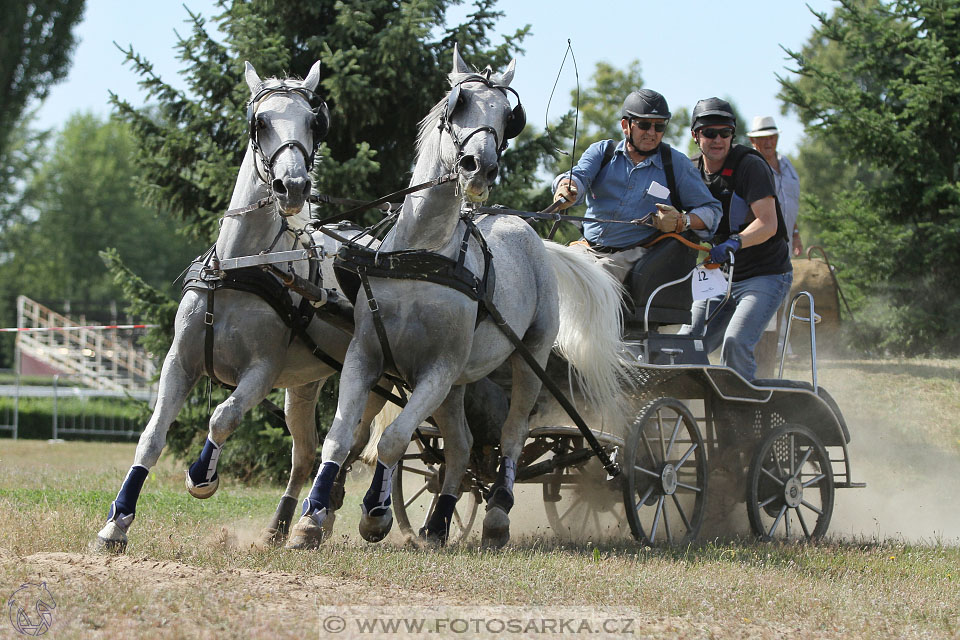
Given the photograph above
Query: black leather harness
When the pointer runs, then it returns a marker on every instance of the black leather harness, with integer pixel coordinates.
(418, 264)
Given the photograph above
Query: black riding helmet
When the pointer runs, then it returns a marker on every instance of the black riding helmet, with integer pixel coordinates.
(645, 103)
(712, 111)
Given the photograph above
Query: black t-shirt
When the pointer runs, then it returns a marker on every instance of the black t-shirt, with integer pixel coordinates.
(752, 180)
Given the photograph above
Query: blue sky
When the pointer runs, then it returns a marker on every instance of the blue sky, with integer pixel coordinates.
(688, 49)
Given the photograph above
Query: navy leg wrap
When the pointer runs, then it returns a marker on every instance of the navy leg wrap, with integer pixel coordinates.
(439, 523)
(126, 502)
(378, 495)
(501, 493)
(319, 497)
(205, 468)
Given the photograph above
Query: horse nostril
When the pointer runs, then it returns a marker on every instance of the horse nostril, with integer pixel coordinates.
(278, 187)
(492, 173)
(468, 163)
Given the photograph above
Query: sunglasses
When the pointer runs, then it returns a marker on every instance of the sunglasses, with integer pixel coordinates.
(659, 127)
(713, 133)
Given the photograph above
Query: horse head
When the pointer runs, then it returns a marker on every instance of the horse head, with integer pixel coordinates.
(287, 121)
(480, 121)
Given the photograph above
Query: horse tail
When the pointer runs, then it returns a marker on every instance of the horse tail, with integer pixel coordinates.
(591, 321)
(386, 416)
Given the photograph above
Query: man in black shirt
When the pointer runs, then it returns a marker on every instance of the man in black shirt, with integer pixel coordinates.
(751, 230)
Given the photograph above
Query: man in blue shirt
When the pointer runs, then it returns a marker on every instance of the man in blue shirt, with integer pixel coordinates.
(630, 179)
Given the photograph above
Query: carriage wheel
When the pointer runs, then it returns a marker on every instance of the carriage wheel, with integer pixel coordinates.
(580, 502)
(665, 475)
(416, 488)
(790, 488)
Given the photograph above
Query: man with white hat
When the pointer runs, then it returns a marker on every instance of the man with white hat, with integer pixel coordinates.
(764, 135)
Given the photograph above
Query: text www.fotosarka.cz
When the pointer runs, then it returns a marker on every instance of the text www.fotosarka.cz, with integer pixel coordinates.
(350, 621)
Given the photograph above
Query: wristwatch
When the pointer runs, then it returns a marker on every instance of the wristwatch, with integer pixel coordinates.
(686, 222)
(736, 236)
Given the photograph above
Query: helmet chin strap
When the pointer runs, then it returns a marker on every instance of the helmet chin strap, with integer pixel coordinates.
(637, 150)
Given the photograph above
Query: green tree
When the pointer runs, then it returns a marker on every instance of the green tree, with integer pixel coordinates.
(881, 83)
(36, 41)
(384, 66)
(82, 200)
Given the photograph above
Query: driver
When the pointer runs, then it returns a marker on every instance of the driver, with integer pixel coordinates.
(630, 178)
(752, 231)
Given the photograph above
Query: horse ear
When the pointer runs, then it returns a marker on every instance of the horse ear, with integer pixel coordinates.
(507, 75)
(313, 78)
(250, 74)
(459, 66)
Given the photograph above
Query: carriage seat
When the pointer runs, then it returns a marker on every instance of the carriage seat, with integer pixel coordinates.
(665, 261)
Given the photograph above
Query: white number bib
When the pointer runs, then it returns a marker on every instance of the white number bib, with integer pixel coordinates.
(707, 283)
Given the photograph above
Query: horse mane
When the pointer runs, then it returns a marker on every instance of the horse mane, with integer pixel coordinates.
(431, 121)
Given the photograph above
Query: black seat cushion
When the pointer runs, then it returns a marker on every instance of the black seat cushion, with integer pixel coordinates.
(667, 260)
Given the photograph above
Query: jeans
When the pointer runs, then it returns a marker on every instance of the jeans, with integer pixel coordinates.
(740, 323)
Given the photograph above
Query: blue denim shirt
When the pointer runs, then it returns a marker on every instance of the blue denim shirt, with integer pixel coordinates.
(621, 192)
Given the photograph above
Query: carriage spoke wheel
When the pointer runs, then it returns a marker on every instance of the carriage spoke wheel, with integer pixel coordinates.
(790, 488)
(580, 502)
(665, 475)
(416, 488)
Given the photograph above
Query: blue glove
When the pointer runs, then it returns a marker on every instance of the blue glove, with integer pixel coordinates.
(721, 253)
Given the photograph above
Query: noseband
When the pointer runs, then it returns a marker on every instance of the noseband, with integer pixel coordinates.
(515, 121)
(319, 125)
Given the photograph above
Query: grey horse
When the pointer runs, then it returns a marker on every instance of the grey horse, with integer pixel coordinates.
(253, 349)
(547, 294)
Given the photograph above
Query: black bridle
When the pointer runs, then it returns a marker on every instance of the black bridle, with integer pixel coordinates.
(319, 126)
(516, 120)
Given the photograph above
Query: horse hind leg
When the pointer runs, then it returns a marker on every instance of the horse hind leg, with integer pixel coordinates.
(457, 442)
(523, 397)
(175, 384)
(202, 479)
(300, 412)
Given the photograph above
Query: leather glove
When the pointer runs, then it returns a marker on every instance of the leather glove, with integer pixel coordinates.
(567, 194)
(667, 219)
(721, 253)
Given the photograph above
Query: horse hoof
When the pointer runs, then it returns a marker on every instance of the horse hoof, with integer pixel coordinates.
(374, 528)
(496, 529)
(203, 490)
(271, 538)
(111, 539)
(431, 540)
(311, 530)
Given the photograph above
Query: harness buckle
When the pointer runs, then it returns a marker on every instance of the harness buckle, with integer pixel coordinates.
(208, 318)
(372, 304)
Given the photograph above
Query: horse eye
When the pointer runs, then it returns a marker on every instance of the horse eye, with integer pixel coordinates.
(261, 123)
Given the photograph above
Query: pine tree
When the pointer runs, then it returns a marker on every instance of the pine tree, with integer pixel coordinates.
(881, 83)
(384, 66)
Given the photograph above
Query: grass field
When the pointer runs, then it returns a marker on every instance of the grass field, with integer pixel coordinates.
(891, 568)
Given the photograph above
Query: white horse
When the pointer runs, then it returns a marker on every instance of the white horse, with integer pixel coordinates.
(253, 349)
(546, 294)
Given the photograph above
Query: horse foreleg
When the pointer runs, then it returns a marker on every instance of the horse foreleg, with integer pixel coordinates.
(376, 516)
(202, 480)
(457, 442)
(175, 384)
(358, 377)
(300, 412)
(523, 397)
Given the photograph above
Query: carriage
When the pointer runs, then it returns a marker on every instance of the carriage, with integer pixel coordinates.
(703, 442)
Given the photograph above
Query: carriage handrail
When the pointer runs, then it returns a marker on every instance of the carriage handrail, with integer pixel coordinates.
(812, 319)
(646, 309)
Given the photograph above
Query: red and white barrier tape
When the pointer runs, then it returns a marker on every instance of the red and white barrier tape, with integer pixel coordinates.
(88, 327)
